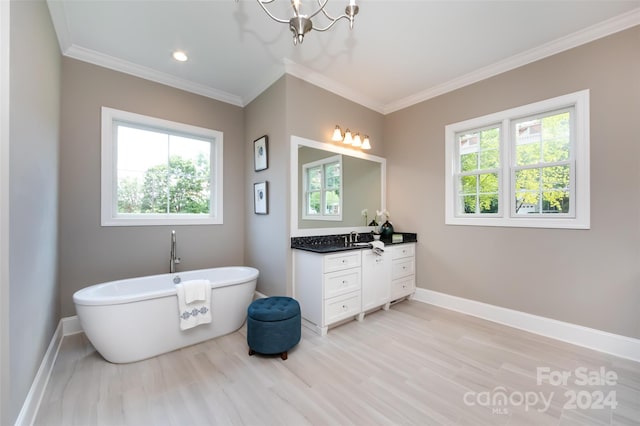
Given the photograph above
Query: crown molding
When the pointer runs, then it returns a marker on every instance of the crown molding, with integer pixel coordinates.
(106, 61)
(317, 79)
(594, 32)
(578, 38)
(61, 26)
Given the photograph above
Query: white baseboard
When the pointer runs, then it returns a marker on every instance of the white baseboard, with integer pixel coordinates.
(66, 327)
(258, 295)
(29, 410)
(602, 341)
(71, 325)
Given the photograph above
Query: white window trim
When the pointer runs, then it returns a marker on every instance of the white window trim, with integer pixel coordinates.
(305, 185)
(109, 212)
(505, 216)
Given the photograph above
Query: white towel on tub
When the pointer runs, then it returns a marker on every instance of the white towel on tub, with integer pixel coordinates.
(195, 290)
(194, 303)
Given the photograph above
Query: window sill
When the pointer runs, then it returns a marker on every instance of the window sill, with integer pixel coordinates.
(522, 222)
(160, 221)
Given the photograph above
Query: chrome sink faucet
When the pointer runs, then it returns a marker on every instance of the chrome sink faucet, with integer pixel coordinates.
(353, 237)
(174, 260)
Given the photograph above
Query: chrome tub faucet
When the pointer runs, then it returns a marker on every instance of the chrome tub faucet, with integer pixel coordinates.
(174, 260)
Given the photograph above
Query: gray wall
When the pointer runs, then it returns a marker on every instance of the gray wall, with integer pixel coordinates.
(92, 254)
(266, 242)
(586, 277)
(33, 194)
(313, 113)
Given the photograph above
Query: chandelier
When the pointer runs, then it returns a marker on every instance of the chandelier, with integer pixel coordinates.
(300, 23)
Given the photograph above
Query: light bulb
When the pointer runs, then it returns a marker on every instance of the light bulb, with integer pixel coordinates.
(356, 140)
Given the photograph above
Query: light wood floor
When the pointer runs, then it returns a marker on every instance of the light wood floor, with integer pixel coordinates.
(413, 365)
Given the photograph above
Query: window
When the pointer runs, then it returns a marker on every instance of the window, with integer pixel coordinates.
(479, 173)
(158, 172)
(527, 166)
(322, 183)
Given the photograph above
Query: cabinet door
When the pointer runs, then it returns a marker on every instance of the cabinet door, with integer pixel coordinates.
(376, 279)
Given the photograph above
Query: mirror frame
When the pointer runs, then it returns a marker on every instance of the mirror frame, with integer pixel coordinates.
(294, 200)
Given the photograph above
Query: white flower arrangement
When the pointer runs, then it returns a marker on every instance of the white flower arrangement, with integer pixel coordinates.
(383, 215)
(365, 214)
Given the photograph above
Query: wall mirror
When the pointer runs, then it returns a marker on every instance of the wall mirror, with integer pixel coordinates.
(363, 187)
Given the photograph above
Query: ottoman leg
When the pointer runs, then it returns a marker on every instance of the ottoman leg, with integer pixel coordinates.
(284, 355)
(251, 352)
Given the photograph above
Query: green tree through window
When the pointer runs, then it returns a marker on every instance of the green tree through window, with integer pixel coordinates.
(322, 180)
(543, 170)
(479, 161)
(180, 187)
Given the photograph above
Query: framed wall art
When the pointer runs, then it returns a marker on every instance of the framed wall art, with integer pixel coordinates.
(260, 198)
(260, 160)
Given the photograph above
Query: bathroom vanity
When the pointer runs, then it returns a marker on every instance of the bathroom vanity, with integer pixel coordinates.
(335, 282)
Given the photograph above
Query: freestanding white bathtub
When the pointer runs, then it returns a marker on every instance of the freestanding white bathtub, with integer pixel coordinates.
(134, 319)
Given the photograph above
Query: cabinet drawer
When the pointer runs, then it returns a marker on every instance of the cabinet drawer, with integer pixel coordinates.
(341, 282)
(403, 268)
(405, 250)
(403, 287)
(341, 307)
(337, 262)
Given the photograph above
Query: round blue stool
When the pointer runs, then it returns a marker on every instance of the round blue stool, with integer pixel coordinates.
(273, 325)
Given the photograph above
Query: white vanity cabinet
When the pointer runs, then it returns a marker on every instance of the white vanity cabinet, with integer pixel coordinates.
(403, 270)
(376, 278)
(328, 286)
(334, 287)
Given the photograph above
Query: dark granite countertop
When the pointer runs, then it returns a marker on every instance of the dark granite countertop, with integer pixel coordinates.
(329, 248)
(335, 243)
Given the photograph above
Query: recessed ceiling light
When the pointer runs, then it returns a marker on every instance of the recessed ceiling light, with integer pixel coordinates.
(179, 55)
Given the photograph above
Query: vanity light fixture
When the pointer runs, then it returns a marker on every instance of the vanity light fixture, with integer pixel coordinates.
(350, 139)
(337, 134)
(365, 143)
(300, 23)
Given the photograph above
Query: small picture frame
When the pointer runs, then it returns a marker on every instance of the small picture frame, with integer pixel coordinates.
(260, 198)
(260, 160)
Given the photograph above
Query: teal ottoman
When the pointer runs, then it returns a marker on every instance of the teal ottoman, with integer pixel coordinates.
(273, 325)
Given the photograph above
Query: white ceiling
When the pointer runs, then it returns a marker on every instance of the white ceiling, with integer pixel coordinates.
(398, 53)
